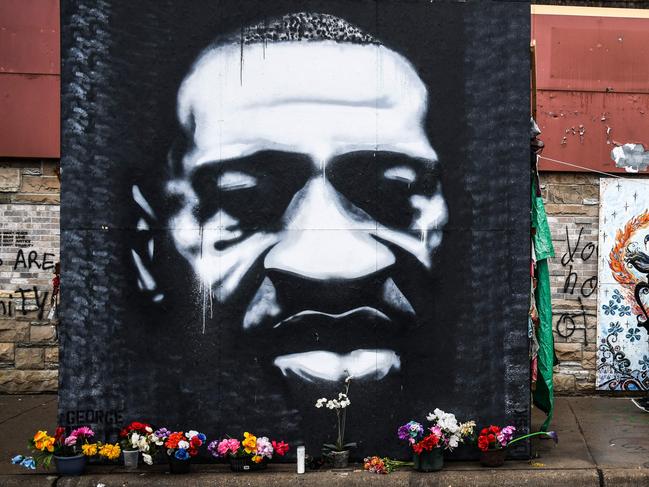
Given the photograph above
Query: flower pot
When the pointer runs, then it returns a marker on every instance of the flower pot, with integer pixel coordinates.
(340, 459)
(131, 458)
(493, 458)
(177, 466)
(70, 465)
(429, 461)
(245, 464)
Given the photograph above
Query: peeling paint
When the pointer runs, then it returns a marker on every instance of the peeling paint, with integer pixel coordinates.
(632, 157)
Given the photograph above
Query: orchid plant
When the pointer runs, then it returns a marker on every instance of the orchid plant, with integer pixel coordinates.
(340, 406)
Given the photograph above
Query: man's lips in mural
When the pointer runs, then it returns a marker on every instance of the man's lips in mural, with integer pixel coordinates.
(309, 330)
(375, 364)
(317, 345)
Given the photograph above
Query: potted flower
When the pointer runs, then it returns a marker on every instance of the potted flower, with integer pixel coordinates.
(68, 452)
(251, 453)
(138, 438)
(181, 448)
(338, 452)
(494, 441)
(428, 444)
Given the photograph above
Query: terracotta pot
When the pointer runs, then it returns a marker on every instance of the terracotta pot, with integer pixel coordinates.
(340, 459)
(70, 465)
(429, 461)
(245, 464)
(493, 458)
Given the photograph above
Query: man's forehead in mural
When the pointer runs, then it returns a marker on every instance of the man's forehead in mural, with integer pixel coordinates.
(307, 157)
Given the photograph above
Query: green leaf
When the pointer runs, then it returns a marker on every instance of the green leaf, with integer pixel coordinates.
(350, 445)
(329, 446)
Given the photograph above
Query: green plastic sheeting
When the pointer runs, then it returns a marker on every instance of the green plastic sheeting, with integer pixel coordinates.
(544, 392)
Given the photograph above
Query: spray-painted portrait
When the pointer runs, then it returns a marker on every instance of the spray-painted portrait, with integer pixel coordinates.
(292, 197)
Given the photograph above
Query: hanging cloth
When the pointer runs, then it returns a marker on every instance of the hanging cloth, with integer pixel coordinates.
(542, 239)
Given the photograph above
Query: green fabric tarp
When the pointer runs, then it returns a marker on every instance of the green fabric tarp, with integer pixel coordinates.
(542, 239)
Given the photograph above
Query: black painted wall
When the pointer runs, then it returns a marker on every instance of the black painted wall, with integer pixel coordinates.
(176, 356)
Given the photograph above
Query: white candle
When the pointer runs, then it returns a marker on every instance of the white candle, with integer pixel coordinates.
(300, 459)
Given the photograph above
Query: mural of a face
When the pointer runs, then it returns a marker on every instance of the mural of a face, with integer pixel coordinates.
(308, 164)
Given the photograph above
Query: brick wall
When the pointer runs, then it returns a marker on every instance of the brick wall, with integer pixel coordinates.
(572, 205)
(29, 250)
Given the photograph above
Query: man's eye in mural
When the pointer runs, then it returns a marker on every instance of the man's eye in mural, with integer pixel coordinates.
(388, 186)
(253, 191)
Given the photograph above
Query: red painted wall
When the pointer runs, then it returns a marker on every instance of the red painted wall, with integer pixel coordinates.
(592, 84)
(29, 78)
(592, 81)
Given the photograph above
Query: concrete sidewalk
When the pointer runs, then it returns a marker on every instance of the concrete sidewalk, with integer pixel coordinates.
(603, 441)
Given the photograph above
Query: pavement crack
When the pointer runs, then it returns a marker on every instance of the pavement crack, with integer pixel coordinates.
(26, 411)
(583, 437)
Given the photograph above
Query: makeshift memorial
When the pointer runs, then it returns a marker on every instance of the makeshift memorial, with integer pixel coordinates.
(428, 444)
(383, 465)
(251, 453)
(494, 441)
(338, 452)
(180, 447)
(69, 452)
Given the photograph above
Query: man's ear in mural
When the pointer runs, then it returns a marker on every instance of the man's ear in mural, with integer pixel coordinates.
(143, 250)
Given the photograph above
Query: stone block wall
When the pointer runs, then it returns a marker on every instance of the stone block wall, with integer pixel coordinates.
(29, 252)
(572, 205)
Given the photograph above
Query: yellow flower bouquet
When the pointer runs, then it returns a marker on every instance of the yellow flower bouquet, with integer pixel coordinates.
(69, 452)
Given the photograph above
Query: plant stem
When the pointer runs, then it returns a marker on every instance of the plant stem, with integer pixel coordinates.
(528, 436)
(340, 432)
(342, 435)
